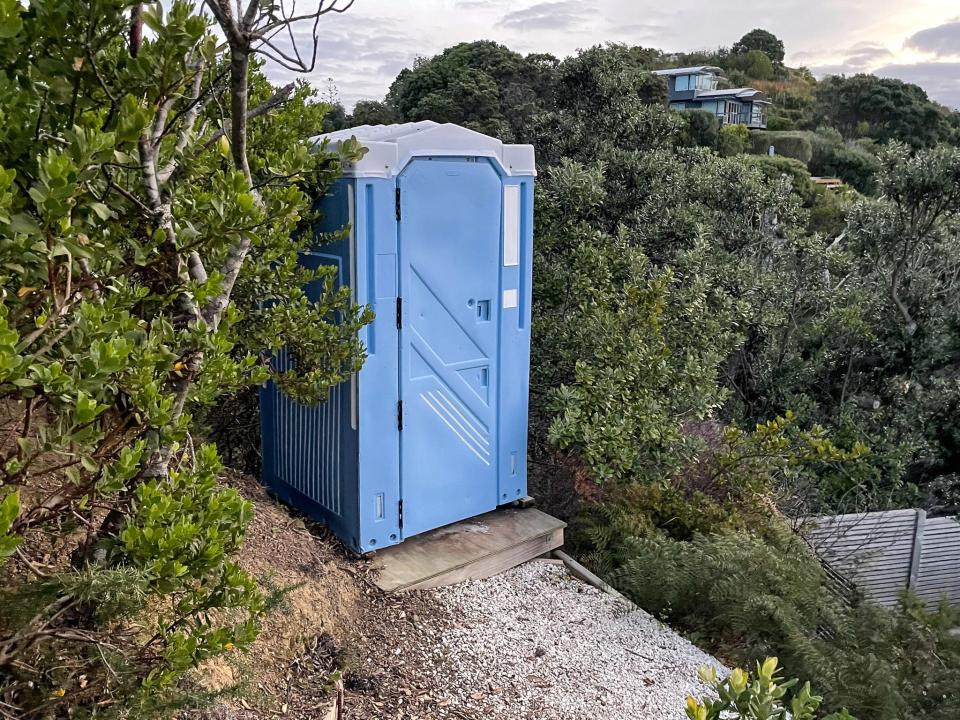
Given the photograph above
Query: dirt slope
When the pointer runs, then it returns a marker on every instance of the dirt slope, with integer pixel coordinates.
(333, 624)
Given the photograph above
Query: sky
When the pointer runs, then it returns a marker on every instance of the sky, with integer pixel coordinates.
(363, 49)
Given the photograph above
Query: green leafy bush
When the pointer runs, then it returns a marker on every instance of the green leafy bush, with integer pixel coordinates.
(778, 166)
(733, 140)
(777, 123)
(757, 65)
(760, 696)
(703, 128)
(752, 595)
(137, 248)
(851, 163)
(792, 144)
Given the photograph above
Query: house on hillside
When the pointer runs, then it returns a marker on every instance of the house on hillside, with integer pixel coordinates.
(696, 88)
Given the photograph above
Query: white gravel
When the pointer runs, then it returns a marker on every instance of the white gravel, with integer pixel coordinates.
(537, 643)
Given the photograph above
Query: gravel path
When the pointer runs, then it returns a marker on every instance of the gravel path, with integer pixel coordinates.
(537, 643)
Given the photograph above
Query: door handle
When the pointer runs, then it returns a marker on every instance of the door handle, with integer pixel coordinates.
(483, 310)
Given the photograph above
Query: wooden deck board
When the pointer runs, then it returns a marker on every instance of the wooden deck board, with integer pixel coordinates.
(468, 550)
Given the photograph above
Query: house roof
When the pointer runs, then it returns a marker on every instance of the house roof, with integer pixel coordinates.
(751, 94)
(695, 70)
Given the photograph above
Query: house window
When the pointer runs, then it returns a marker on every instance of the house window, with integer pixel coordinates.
(706, 82)
(682, 83)
(733, 113)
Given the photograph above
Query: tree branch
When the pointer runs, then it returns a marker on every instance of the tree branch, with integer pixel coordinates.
(275, 100)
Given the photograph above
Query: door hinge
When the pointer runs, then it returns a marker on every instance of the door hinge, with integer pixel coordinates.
(399, 313)
(397, 196)
(400, 415)
(400, 513)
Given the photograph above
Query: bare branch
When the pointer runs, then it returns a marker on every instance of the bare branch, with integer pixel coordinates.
(275, 100)
(189, 120)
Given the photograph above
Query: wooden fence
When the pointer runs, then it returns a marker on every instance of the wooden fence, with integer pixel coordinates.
(885, 553)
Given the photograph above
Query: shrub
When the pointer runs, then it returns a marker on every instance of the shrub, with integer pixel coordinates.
(702, 128)
(850, 162)
(138, 247)
(733, 140)
(779, 122)
(778, 166)
(762, 696)
(791, 144)
(752, 595)
(757, 65)
(617, 294)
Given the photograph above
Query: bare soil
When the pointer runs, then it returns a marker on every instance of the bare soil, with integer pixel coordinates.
(333, 628)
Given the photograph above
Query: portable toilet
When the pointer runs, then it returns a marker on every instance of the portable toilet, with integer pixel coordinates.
(433, 429)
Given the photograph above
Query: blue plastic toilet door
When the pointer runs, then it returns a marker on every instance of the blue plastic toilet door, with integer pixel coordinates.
(449, 232)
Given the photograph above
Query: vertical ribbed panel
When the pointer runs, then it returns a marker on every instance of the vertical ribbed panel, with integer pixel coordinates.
(306, 442)
(940, 561)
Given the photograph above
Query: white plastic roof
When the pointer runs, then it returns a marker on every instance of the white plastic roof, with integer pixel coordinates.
(391, 147)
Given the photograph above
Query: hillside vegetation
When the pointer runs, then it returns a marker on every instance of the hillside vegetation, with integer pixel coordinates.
(720, 345)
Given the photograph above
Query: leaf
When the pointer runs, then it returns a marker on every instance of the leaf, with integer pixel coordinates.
(9, 509)
(102, 211)
(10, 22)
(23, 223)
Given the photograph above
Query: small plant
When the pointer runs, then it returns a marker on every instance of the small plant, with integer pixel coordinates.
(762, 696)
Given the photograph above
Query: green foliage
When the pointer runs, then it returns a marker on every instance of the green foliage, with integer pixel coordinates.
(754, 596)
(146, 265)
(733, 140)
(758, 66)
(851, 163)
(883, 108)
(703, 128)
(779, 166)
(776, 452)
(790, 144)
(601, 92)
(778, 123)
(761, 696)
(179, 537)
(372, 112)
(686, 293)
(625, 406)
(481, 85)
(759, 40)
(9, 509)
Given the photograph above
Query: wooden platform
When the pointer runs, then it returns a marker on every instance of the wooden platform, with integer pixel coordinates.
(469, 550)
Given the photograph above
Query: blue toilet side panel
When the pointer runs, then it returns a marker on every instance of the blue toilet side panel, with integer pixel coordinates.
(377, 283)
(516, 280)
(310, 454)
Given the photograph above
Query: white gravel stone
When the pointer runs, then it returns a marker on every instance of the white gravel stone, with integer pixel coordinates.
(535, 642)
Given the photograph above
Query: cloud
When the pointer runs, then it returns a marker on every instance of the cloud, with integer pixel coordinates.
(361, 54)
(637, 30)
(557, 15)
(862, 57)
(480, 4)
(867, 55)
(941, 80)
(942, 40)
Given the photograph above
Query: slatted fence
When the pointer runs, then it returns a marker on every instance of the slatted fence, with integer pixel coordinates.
(885, 553)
